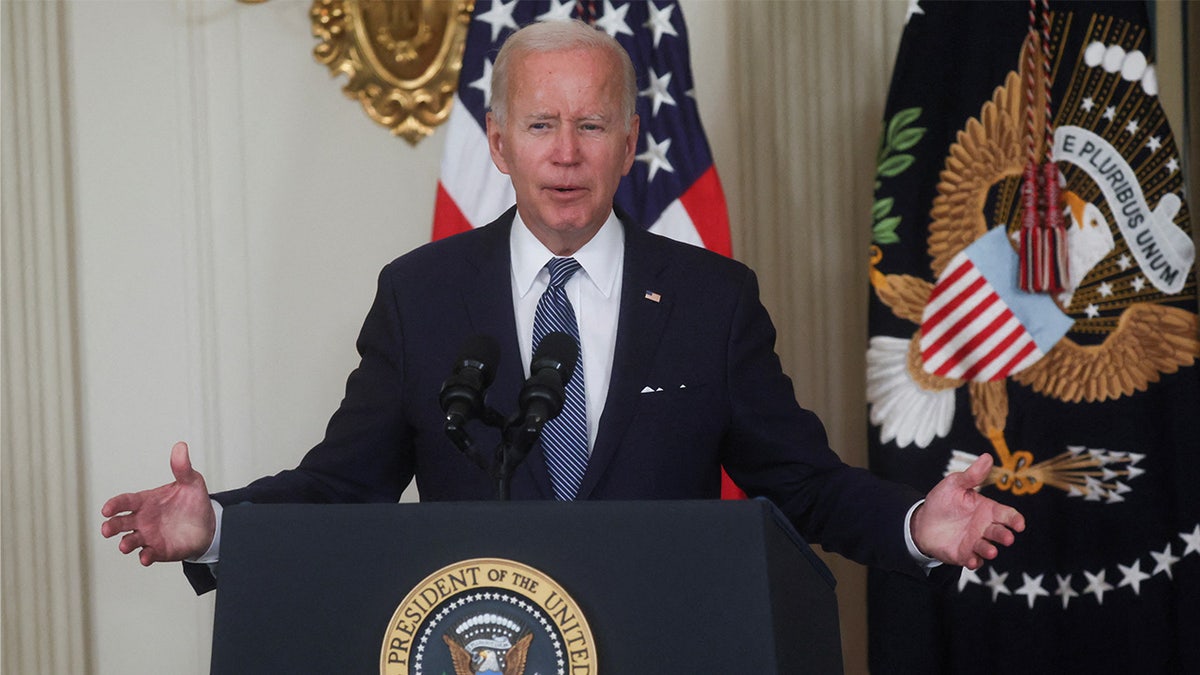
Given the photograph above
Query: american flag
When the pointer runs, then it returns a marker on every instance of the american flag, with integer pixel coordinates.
(672, 188)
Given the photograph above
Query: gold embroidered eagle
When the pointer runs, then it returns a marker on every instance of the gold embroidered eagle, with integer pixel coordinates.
(1146, 341)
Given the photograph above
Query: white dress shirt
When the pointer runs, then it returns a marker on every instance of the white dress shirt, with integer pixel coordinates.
(594, 292)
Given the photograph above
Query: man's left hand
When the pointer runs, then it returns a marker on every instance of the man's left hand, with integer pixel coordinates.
(959, 526)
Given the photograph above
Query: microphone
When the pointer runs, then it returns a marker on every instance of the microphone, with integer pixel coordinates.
(543, 394)
(461, 396)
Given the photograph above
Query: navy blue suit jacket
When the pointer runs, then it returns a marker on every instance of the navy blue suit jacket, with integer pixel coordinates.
(705, 347)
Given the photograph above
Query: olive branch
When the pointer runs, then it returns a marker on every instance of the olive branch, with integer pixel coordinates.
(892, 160)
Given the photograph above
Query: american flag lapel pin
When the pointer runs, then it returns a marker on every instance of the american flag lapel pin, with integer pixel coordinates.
(653, 297)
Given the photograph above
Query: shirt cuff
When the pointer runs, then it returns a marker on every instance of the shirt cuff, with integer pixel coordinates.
(923, 561)
(214, 549)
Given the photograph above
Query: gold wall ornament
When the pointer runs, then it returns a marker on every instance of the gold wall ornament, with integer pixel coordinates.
(402, 57)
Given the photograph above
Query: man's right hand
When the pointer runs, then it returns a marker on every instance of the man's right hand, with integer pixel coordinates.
(169, 523)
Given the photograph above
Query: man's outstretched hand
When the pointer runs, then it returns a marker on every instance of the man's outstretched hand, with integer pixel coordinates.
(959, 526)
(169, 523)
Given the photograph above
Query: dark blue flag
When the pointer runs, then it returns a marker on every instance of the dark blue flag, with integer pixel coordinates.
(1088, 393)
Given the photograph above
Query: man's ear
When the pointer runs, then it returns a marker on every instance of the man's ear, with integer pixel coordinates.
(496, 143)
(631, 143)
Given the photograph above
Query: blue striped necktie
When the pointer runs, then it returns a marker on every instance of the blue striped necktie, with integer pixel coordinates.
(564, 438)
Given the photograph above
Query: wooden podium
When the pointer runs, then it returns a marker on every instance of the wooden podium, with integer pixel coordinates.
(665, 586)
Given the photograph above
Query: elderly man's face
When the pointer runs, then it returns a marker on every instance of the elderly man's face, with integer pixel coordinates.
(564, 143)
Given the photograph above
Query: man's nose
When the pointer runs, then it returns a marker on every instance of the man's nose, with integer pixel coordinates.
(566, 146)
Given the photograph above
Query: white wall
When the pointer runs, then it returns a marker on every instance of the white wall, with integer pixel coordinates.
(233, 209)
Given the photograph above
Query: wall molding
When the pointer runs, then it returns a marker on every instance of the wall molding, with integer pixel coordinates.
(43, 547)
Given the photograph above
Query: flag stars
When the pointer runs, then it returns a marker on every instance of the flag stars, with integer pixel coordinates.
(1163, 561)
(1154, 143)
(1110, 113)
(656, 156)
(613, 21)
(558, 11)
(1124, 262)
(967, 577)
(1064, 590)
(1173, 165)
(499, 17)
(1132, 127)
(1191, 542)
(996, 583)
(484, 83)
(1138, 283)
(1133, 576)
(1097, 586)
(1088, 103)
(1105, 289)
(914, 8)
(660, 22)
(1032, 588)
(1092, 311)
(658, 91)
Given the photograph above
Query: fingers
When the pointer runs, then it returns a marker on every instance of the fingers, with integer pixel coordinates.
(181, 463)
(130, 542)
(999, 534)
(117, 525)
(977, 473)
(122, 503)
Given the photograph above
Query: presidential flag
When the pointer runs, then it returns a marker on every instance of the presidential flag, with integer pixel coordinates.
(672, 189)
(1034, 297)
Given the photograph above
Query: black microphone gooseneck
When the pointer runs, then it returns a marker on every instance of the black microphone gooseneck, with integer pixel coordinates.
(541, 398)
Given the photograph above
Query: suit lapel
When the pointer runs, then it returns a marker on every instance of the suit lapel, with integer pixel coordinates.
(639, 330)
(489, 303)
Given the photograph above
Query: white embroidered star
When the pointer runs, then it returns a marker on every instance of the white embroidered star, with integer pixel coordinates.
(968, 576)
(1092, 311)
(1163, 561)
(1132, 576)
(1110, 113)
(914, 7)
(484, 83)
(1088, 104)
(1097, 585)
(1124, 262)
(656, 156)
(557, 11)
(1132, 127)
(996, 583)
(613, 21)
(658, 91)
(660, 22)
(1191, 541)
(1154, 143)
(499, 17)
(1173, 165)
(1105, 289)
(1064, 590)
(1032, 588)
(1138, 283)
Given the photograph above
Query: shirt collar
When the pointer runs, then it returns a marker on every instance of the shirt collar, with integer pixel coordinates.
(600, 258)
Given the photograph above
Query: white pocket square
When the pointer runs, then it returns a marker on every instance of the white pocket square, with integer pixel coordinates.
(652, 390)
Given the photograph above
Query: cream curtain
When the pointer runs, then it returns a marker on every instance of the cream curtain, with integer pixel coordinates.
(814, 79)
(40, 548)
